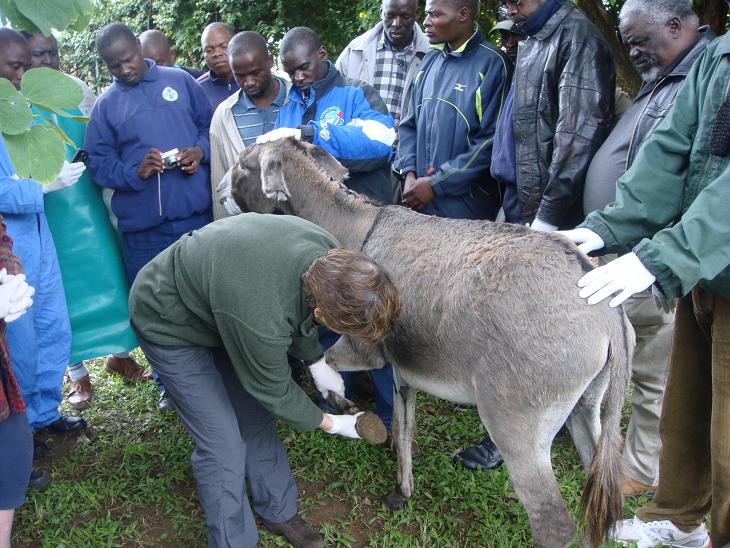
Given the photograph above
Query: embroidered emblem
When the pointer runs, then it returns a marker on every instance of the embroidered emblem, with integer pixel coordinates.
(333, 115)
(459, 87)
(324, 134)
(169, 94)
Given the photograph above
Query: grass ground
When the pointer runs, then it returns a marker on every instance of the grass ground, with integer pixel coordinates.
(127, 482)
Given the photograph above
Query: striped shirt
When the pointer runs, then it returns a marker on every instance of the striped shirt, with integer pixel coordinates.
(253, 121)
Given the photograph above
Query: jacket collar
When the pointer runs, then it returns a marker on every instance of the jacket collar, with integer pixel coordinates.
(473, 41)
(723, 48)
(149, 76)
(554, 22)
(318, 89)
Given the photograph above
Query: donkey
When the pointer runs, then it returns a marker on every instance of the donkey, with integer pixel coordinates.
(491, 316)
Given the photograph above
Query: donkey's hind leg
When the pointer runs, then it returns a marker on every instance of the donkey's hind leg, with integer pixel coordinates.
(584, 421)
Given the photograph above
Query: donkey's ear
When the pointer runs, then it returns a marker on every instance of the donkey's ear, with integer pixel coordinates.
(324, 161)
(273, 184)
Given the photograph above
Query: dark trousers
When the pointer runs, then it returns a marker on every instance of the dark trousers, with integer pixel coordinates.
(16, 459)
(235, 440)
(694, 466)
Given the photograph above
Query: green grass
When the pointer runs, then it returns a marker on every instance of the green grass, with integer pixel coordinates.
(127, 482)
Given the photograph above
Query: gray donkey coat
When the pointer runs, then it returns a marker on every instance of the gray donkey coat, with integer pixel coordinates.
(491, 316)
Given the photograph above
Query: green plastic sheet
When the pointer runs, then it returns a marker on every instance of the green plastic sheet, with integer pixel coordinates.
(94, 279)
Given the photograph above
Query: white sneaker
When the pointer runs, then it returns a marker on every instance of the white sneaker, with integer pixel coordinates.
(658, 533)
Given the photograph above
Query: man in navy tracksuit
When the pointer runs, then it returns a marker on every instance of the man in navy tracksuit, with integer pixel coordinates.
(147, 111)
(345, 117)
(446, 138)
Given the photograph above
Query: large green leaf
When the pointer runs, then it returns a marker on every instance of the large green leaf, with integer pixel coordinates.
(51, 88)
(45, 14)
(9, 13)
(36, 153)
(15, 114)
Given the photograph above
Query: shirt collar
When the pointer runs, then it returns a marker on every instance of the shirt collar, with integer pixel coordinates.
(247, 104)
(385, 44)
(149, 76)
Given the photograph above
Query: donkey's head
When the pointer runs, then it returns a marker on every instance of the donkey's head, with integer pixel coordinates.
(351, 354)
(259, 178)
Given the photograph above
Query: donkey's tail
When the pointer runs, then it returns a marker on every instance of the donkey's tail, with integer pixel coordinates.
(602, 499)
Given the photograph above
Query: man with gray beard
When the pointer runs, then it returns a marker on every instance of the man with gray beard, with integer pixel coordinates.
(664, 41)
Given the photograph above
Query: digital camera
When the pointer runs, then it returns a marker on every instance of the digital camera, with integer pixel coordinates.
(169, 158)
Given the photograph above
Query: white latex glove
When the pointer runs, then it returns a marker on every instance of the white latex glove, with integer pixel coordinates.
(70, 174)
(542, 226)
(279, 133)
(15, 297)
(586, 239)
(326, 379)
(375, 131)
(625, 274)
(223, 195)
(344, 425)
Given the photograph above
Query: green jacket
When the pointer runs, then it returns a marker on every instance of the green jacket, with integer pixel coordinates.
(674, 200)
(237, 283)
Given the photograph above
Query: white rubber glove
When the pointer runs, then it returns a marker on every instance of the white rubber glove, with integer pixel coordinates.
(223, 195)
(344, 425)
(375, 131)
(625, 274)
(70, 174)
(586, 239)
(326, 379)
(542, 226)
(15, 297)
(279, 133)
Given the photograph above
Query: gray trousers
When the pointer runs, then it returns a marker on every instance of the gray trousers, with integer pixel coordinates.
(654, 329)
(235, 440)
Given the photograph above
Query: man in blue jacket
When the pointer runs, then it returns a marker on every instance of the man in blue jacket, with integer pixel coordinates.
(147, 111)
(345, 117)
(446, 138)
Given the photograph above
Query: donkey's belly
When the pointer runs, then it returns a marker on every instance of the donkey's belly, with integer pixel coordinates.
(458, 392)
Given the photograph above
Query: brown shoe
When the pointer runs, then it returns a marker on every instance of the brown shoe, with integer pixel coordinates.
(127, 368)
(297, 531)
(633, 488)
(81, 393)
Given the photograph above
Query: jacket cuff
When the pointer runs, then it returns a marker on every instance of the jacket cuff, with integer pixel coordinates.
(307, 133)
(133, 180)
(649, 256)
(610, 245)
(437, 186)
(550, 214)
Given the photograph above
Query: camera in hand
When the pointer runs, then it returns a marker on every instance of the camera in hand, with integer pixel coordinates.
(169, 158)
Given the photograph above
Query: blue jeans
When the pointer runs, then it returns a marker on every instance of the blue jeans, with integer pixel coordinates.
(140, 247)
(382, 382)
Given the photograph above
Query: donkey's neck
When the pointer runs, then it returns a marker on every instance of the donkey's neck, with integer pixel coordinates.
(345, 216)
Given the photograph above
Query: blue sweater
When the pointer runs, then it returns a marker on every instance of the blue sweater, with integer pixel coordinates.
(166, 110)
(456, 102)
(334, 109)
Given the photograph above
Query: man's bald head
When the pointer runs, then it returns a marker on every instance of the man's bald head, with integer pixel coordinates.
(217, 26)
(300, 36)
(247, 41)
(14, 56)
(214, 40)
(156, 46)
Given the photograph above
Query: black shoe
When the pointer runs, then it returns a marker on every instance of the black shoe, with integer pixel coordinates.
(479, 457)
(39, 479)
(40, 449)
(164, 404)
(297, 531)
(66, 425)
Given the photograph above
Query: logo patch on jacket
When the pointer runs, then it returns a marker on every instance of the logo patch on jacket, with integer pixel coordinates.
(332, 115)
(459, 87)
(169, 94)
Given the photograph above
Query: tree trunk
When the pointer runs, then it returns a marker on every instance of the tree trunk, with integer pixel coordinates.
(626, 76)
(713, 13)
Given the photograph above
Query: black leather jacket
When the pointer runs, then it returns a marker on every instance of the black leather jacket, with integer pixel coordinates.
(565, 84)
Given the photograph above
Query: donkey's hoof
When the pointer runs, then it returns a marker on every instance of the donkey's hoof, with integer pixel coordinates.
(395, 501)
(371, 428)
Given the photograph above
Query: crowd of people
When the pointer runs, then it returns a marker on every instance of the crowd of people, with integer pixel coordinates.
(434, 118)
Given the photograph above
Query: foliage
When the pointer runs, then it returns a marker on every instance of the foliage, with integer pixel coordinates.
(38, 150)
(127, 482)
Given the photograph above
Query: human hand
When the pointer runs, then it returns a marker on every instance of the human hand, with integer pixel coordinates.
(542, 226)
(151, 164)
(626, 274)
(189, 159)
(326, 379)
(417, 192)
(342, 425)
(586, 239)
(664, 304)
(279, 133)
(15, 297)
(70, 174)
